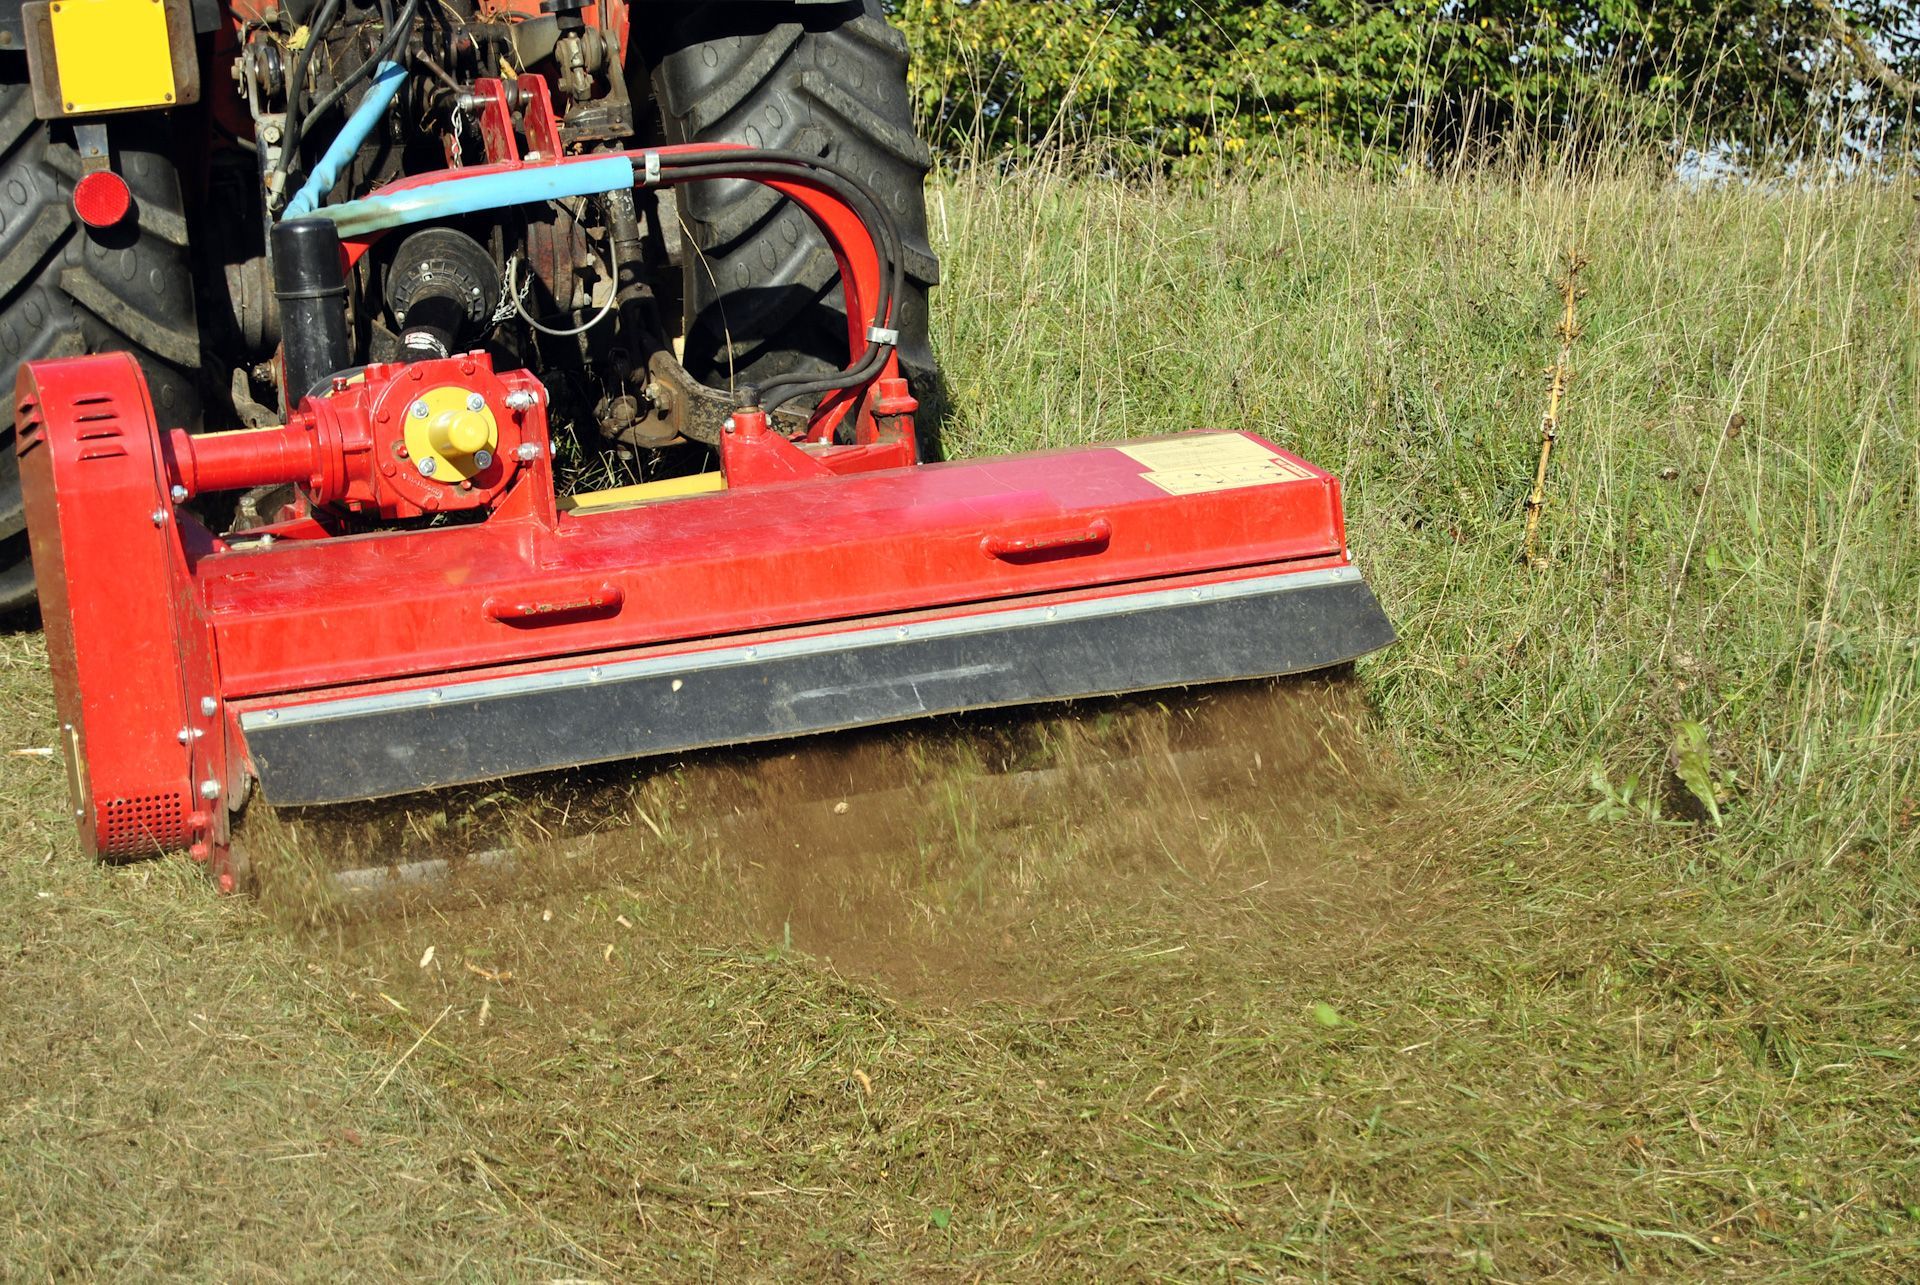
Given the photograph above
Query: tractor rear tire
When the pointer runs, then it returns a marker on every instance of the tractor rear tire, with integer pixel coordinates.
(67, 289)
(761, 293)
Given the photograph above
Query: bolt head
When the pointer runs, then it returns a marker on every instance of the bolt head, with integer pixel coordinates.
(209, 706)
(427, 466)
(184, 736)
(483, 459)
(520, 399)
(418, 409)
(476, 402)
(526, 452)
(178, 494)
(727, 423)
(209, 790)
(159, 517)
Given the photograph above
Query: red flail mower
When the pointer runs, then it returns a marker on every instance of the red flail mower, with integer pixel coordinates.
(426, 610)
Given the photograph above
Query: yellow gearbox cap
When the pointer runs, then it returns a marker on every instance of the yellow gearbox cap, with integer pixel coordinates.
(451, 434)
(460, 432)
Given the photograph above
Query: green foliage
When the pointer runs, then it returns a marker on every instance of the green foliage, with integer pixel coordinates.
(1692, 758)
(1170, 80)
(1623, 802)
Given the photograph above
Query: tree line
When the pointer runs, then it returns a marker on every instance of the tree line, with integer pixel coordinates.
(1167, 81)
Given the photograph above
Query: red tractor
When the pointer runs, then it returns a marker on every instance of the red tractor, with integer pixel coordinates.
(150, 147)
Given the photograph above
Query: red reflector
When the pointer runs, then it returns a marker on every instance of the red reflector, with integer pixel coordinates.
(101, 199)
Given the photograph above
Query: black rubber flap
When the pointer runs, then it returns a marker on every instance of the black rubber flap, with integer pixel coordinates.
(372, 747)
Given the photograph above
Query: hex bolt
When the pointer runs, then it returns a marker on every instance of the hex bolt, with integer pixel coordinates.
(178, 494)
(520, 399)
(159, 517)
(526, 452)
(209, 706)
(476, 402)
(209, 790)
(184, 736)
(426, 466)
(483, 459)
(727, 423)
(419, 409)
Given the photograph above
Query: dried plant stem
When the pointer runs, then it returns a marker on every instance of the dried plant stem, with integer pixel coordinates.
(1550, 422)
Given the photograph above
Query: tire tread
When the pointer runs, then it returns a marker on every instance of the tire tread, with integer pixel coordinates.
(762, 291)
(67, 290)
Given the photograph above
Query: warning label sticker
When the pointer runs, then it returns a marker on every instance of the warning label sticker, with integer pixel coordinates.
(1212, 462)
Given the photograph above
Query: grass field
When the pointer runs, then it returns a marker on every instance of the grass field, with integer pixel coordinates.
(1492, 995)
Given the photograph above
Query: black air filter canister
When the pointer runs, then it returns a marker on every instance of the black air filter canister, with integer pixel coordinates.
(310, 283)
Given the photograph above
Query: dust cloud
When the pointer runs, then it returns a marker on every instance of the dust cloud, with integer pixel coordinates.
(991, 856)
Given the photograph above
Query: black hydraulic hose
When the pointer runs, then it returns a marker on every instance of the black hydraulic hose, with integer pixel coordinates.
(396, 33)
(297, 82)
(877, 218)
(775, 395)
(777, 392)
(848, 186)
(740, 163)
(316, 32)
(389, 45)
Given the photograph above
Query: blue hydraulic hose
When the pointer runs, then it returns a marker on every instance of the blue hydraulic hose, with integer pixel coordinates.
(387, 79)
(447, 197)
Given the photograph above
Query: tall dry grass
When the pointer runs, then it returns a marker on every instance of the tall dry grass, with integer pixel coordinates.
(1732, 519)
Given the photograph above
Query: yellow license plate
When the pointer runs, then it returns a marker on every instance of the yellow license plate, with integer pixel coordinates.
(112, 54)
